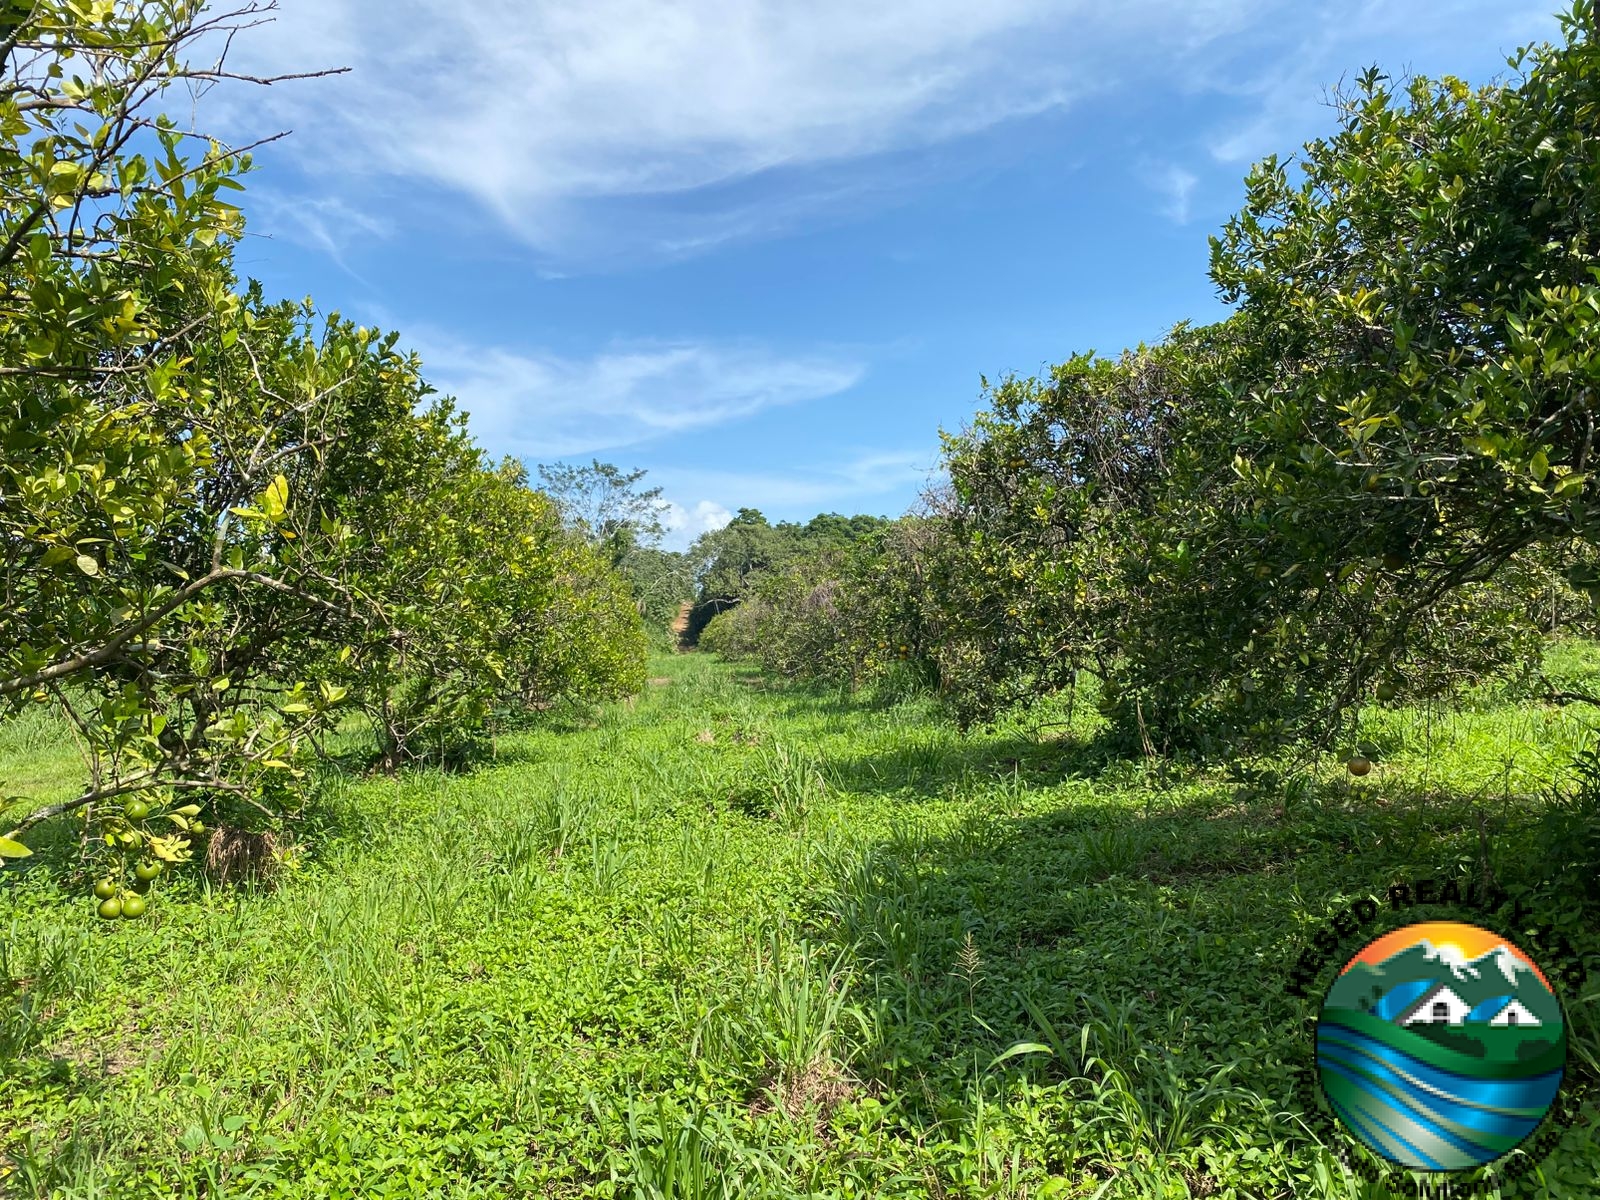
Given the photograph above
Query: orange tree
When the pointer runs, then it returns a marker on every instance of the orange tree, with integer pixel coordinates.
(1362, 474)
(489, 605)
(795, 619)
(588, 641)
(1059, 491)
(220, 516)
(155, 446)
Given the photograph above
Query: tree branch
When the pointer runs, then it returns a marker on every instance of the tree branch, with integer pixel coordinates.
(107, 652)
(134, 783)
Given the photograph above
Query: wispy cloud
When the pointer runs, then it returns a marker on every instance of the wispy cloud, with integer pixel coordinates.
(537, 404)
(324, 223)
(865, 479)
(1288, 73)
(1175, 185)
(619, 131)
(549, 113)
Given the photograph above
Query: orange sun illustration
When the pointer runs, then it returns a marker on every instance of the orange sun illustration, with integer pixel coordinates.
(1454, 941)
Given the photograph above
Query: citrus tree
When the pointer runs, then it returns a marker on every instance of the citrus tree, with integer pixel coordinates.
(490, 606)
(124, 346)
(1412, 380)
(1358, 483)
(861, 601)
(222, 518)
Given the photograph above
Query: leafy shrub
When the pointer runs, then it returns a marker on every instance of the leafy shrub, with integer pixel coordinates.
(223, 518)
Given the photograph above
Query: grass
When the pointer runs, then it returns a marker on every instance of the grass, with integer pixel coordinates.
(741, 940)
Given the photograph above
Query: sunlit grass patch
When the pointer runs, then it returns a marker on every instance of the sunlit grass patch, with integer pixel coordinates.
(624, 960)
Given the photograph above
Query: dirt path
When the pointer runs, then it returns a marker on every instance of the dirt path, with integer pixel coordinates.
(680, 623)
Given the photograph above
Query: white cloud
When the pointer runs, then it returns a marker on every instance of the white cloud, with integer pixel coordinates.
(550, 113)
(1290, 86)
(1175, 185)
(327, 223)
(615, 131)
(543, 405)
(685, 524)
(869, 475)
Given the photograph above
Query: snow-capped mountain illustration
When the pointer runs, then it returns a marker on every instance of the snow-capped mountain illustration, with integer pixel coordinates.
(1502, 957)
(1482, 987)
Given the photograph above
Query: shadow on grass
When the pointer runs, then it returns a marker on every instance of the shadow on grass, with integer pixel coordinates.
(1148, 949)
(930, 764)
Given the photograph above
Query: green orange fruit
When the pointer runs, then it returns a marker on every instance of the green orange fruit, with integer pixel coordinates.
(132, 907)
(110, 909)
(104, 889)
(1359, 765)
(147, 870)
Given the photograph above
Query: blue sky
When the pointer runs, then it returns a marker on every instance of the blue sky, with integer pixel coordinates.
(765, 250)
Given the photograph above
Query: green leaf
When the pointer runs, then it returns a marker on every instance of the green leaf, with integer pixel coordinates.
(87, 564)
(11, 848)
(1571, 483)
(1018, 1051)
(275, 500)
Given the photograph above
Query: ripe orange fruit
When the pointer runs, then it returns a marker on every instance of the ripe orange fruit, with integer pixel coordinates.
(1359, 765)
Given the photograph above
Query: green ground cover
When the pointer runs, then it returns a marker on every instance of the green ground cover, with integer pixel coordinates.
(742, 940)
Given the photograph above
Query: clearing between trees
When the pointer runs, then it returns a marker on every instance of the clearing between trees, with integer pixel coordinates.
(747, 940)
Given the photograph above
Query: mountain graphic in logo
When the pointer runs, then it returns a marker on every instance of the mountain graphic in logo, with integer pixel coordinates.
(1441, 1046)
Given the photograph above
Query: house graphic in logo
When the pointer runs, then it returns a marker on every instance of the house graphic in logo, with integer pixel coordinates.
(1441, 1046)
(1440, 1005)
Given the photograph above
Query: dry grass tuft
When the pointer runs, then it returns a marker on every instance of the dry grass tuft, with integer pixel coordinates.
(237, 855)
(819, 1089)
